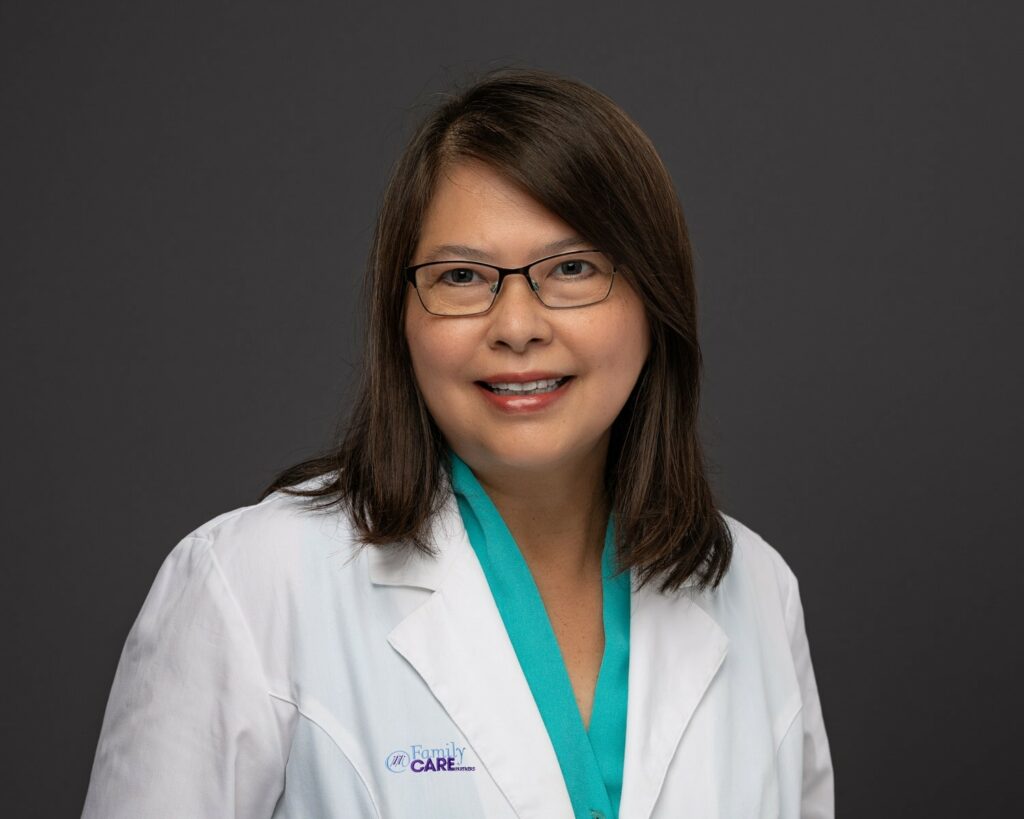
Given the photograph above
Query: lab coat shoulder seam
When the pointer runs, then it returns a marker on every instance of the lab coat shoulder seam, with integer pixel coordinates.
(208, 530)
(313, 721)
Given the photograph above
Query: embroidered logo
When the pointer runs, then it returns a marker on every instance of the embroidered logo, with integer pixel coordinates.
(427, 759)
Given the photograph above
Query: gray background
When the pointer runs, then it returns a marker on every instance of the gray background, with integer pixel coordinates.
(188, 192)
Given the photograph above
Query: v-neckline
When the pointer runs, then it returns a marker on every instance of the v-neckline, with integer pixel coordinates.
(590, 758)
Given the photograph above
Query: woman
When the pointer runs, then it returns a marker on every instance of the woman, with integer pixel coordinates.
(508, 591)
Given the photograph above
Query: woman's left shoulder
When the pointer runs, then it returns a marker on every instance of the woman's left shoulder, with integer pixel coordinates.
(756, 565)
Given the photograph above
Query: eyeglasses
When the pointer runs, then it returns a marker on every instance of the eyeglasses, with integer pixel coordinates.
(462, 288)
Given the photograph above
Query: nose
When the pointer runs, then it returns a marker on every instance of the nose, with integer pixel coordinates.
(518, 318)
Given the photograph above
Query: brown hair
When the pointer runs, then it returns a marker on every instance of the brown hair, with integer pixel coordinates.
(583, 158)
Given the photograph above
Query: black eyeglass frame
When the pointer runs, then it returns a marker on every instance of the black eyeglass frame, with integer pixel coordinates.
(503, 273)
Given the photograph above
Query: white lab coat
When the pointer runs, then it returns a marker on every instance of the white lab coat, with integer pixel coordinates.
(274, 671)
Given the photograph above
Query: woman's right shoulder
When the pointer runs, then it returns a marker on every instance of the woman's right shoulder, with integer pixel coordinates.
(283, 535)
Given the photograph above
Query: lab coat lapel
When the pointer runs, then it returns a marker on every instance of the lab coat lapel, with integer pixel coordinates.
(458, 645)
(676, 648)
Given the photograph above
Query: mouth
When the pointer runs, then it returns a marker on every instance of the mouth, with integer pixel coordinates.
(524, 388)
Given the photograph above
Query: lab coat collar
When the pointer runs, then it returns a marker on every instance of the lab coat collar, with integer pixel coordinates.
(458, 645)
(393, 566)
(675, 651)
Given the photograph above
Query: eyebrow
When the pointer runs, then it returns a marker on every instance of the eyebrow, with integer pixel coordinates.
(465, 252)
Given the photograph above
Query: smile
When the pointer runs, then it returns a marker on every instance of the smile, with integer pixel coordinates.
(525, 387)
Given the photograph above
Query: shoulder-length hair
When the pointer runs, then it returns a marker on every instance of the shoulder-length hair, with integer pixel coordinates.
(582, 157)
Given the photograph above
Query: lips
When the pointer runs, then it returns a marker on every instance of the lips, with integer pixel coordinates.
(516, 397)
(541, 385)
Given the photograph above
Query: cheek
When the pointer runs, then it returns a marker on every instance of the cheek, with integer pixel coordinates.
(436, 354)
(621, 348)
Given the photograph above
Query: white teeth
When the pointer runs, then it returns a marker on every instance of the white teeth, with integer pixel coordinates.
(526, 387)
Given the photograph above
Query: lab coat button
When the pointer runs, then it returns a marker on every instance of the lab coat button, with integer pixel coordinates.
(596, 814)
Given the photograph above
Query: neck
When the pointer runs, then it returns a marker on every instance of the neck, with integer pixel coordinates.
(557, 515)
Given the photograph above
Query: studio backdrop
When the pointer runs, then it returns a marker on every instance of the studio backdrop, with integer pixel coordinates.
(188, 193)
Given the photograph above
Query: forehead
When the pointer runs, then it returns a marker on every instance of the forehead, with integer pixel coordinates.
(476, 212)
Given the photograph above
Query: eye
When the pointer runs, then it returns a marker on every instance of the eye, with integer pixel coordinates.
(458, 275)
(573, 268)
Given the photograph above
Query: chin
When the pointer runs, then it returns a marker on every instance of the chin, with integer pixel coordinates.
(537, 454)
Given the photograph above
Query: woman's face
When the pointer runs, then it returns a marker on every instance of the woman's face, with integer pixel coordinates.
(601, 346)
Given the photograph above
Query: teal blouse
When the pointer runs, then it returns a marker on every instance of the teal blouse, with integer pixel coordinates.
(591, 760)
